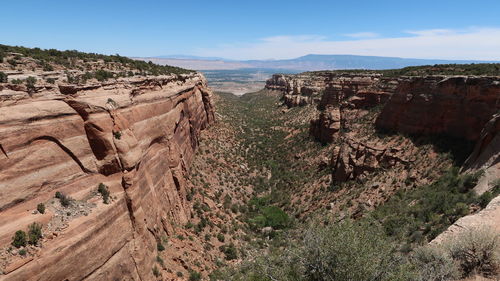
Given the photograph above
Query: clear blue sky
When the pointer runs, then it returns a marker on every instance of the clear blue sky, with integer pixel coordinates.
(149, 28)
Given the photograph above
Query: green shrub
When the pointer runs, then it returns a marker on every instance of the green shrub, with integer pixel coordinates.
(156, 271)
(23, 252)
(271, 216)
(104, 191)
(229, 251)
(486, 197)
(47, 67)
(103, 75)
(117, 135)
(430, 208)
(477, 252)
(12, 62)
(351, 251)
(3, 77)
(40, 208)
(159, 246)
(220, 237)
(30, 83)
(179, 274)
(63, 199)
(34, 233)
(160, 261)
(194, 275)
(51, 80)
(19, 239)
(347, 250)
(434, 264)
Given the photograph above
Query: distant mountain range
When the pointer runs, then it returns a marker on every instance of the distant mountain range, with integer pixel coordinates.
(304, 63)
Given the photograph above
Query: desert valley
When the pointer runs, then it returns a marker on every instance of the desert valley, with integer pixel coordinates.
(285, 141)
(117, 169)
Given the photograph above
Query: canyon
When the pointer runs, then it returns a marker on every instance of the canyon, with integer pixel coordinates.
(144, 173)
(459, 108)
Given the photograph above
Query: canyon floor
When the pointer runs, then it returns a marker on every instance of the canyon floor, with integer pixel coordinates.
(264, 180)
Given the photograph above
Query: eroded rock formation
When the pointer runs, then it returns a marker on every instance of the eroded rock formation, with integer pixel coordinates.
(354, 159)
(454, 106)
(327, 88)
(136, 135)
(333, 93)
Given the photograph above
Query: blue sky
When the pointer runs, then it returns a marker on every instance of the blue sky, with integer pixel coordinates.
(258, 29)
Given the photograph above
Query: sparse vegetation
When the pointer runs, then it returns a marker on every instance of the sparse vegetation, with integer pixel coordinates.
(40, 208)
(3, 77)
(104, 191)
(20, 239)
(117, 135)
(194, 275)
(156, 271)
(71, 59)
(421, 214)
(159, 246)
(34, 233)
(477, 252)
(63, 199)
(229, 251)
(424, 70)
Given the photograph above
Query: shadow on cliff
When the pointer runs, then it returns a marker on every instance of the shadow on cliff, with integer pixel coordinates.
(458, 148)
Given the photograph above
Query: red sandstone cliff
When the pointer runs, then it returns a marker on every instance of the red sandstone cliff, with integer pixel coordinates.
(327, 88)
(334, 93)
(135, 135)
(455, 106)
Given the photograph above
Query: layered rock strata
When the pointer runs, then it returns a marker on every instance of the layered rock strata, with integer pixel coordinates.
(137, 136)
(454, 106)
(332, 93)
(327, 88)
(458, 106)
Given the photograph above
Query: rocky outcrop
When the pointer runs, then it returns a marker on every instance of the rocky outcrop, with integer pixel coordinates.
(328, 124)
(354, 159)
(298, 90)
(332, 92)
(136, 135)
(488, 219)
(332, 88)
(454, 106)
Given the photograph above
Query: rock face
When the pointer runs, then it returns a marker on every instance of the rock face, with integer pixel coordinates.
(354, 159)
(486, 156)
(333, 93)
(327, 88)
(328, 124)
(137, 136)
(298, 90)
(453, 106)
(487, 219)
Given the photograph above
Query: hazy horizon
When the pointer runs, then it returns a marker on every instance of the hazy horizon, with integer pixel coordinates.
(449, 30)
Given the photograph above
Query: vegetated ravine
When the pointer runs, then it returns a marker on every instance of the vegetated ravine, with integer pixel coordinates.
(289, 218)
(119, 169)
(297, 214)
